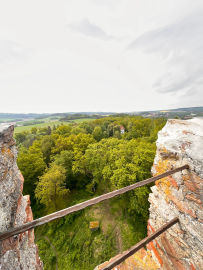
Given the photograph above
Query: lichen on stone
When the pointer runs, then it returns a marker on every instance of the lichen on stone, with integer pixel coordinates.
(17, 252)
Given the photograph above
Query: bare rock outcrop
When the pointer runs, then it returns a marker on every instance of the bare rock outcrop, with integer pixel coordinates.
(18, 252)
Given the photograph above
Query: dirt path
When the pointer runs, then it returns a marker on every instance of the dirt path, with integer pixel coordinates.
(119, 239)
(108, 219)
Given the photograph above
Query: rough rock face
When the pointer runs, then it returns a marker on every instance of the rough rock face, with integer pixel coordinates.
(141, 260)
(18, 252)
(179, 195)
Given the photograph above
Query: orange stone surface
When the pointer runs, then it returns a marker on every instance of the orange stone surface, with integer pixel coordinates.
(141, 260)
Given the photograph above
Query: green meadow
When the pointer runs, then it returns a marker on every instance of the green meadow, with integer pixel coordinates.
(41, 125)
(22, 128)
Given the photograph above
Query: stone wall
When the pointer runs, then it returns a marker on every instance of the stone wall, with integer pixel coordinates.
(179, 195)
(18, 252)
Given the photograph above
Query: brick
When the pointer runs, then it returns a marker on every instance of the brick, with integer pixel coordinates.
(193, 198)
(156, 253)
(181, 207)
(186, 177)
(172, 253)
(192, 186)
(196, 179)
(173, 182)
(192, 266)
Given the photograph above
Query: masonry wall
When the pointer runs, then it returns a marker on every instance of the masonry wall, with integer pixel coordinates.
(18, 252)
(180, 195)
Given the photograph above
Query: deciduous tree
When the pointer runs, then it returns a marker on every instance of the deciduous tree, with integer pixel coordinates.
(51, 187)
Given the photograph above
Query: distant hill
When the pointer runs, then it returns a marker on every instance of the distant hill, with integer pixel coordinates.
(184, 113)
(14, 117)
(190, 109)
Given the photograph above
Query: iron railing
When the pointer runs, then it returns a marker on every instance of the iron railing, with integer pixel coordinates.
(43, 220)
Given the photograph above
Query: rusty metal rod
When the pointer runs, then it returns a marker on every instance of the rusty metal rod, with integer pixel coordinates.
(80, 206)
(140, 245)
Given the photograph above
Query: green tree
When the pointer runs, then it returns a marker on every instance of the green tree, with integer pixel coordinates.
(63, 130)
(48, 130)
(20, 137)
(34, 130)
(47, 143)
(77, 130)
(97, 133)
(31, 164)
(51, 188)
(65, 159)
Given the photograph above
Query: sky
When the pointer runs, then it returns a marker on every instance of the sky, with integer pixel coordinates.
(100, 55)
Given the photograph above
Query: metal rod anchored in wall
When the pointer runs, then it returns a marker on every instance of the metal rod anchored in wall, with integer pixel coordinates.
(140, 245)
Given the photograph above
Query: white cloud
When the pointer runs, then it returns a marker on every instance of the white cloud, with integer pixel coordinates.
(85, 27)
(180, 45)
(46, 66)
(11, 51)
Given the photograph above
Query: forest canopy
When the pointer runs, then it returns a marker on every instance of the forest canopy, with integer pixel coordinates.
(64, 164)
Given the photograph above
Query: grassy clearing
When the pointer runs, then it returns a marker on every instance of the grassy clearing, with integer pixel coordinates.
(73, 244)
(5, 120)
(41, 125)
(49, 123)
(82, 120)
(70, 244)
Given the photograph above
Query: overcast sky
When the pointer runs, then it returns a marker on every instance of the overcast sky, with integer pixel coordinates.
(100, 55)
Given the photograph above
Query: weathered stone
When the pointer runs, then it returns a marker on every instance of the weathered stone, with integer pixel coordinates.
(192, 187)
(141, 260)
(193, 198)
(17, 252)
(181, 196)
(173, 181)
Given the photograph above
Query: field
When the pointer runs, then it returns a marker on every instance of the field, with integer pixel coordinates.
(41, 125)
(49, 123)
(4, 120)
(82, 120)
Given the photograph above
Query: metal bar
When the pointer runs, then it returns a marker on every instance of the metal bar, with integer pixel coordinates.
(140, 245)
(80, 206)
